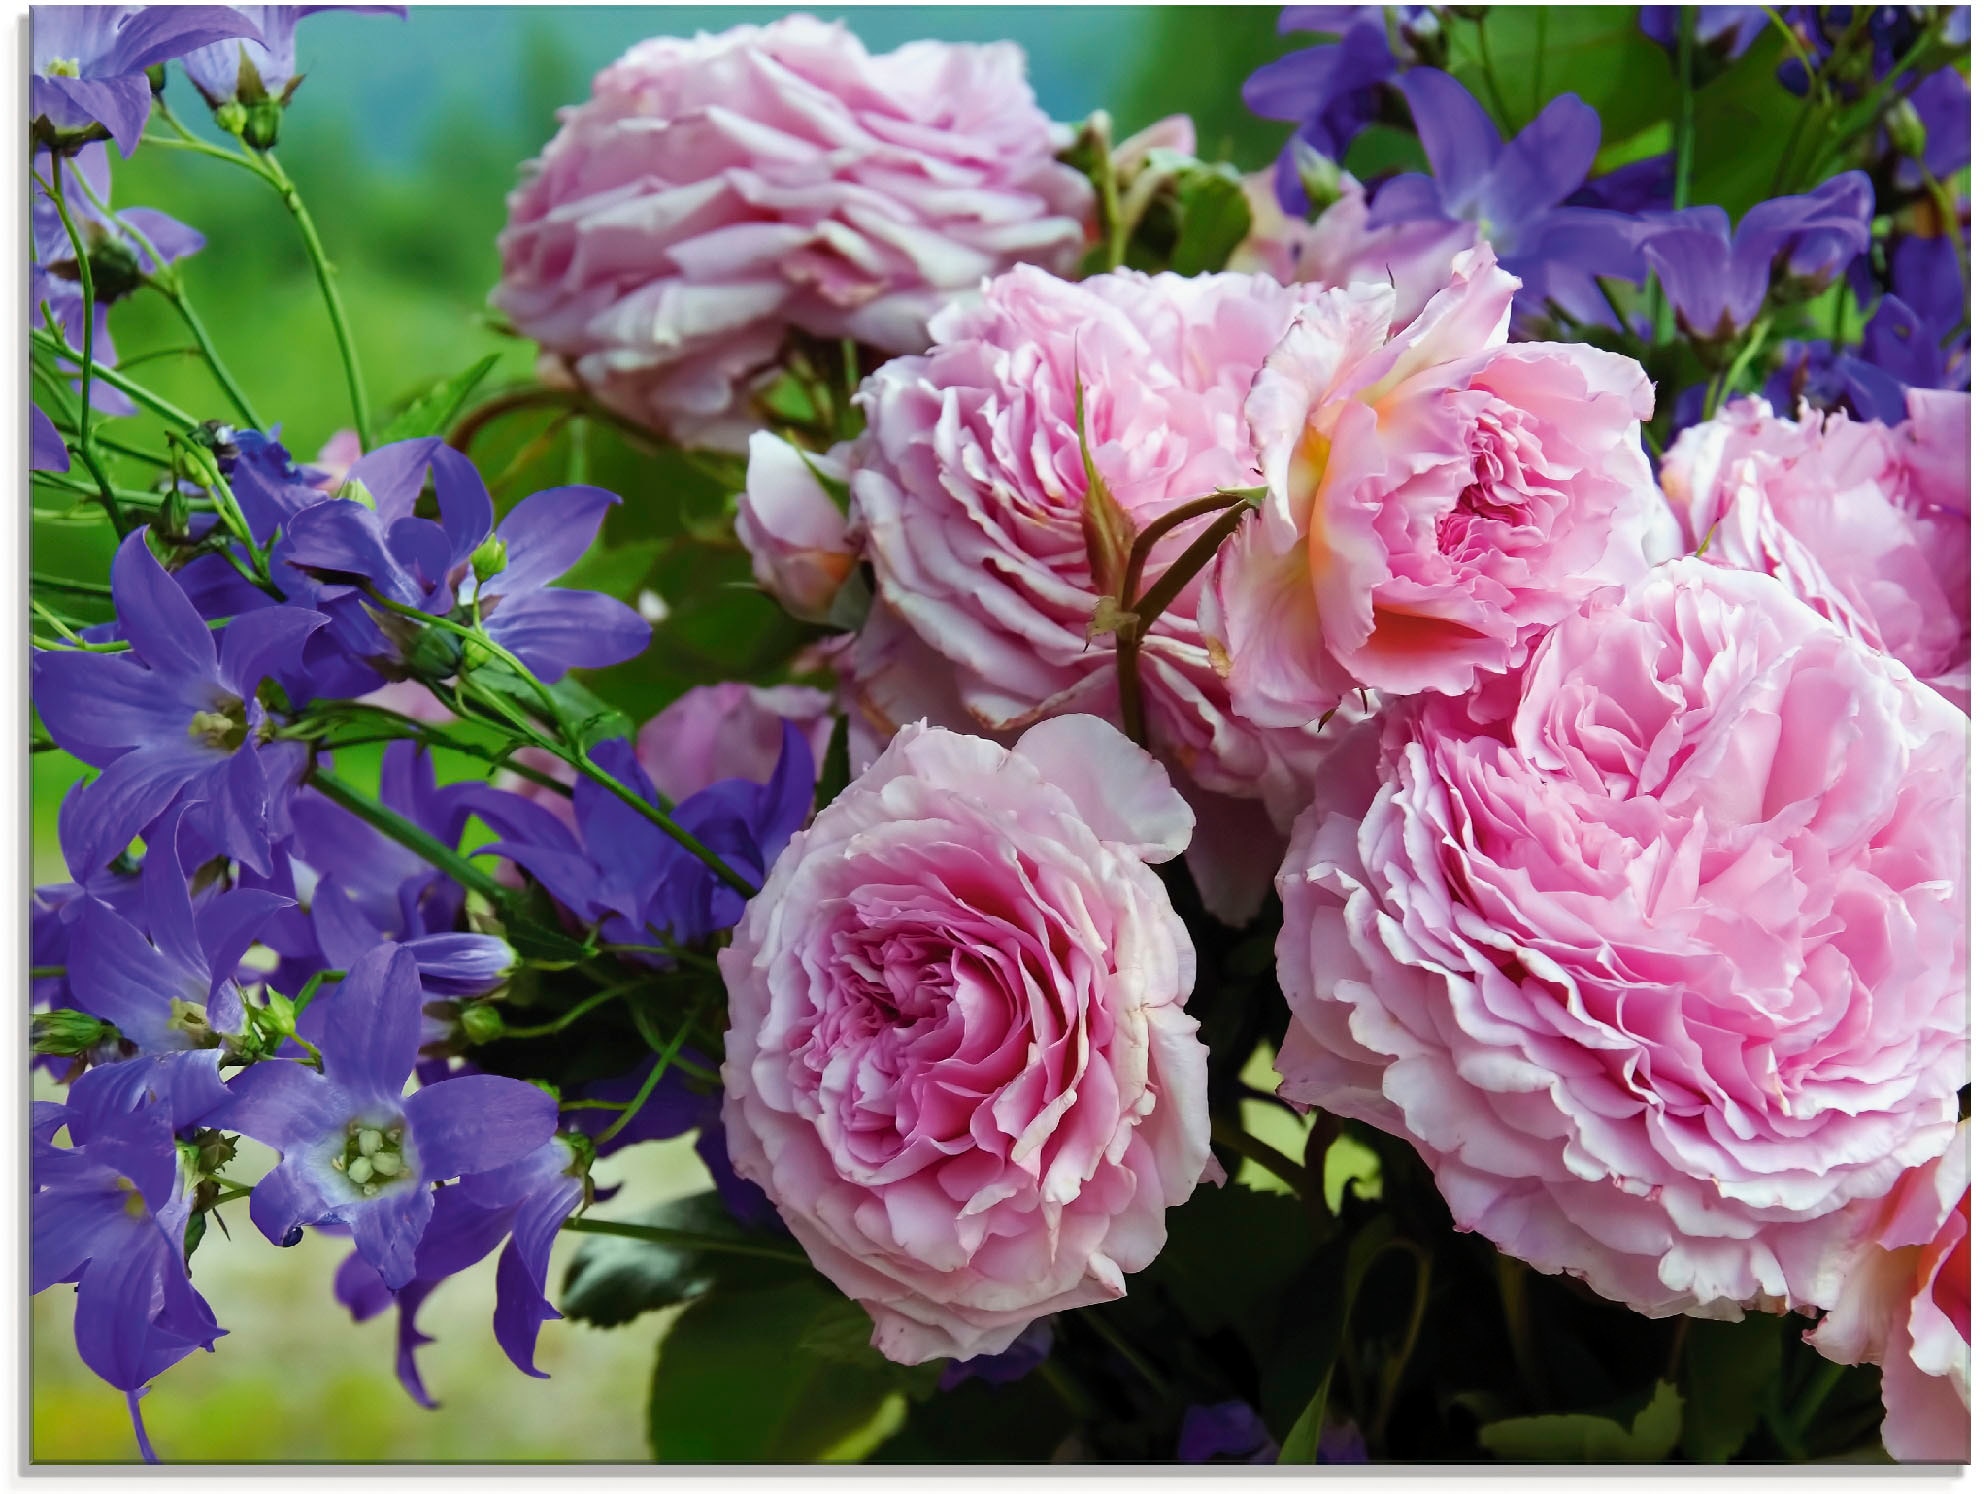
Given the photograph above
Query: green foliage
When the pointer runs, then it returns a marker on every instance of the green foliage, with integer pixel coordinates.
(1197, 1265)
(1749, 105)
(1729, 1375)
(1650, 1438)
(1523, 56)
(614, 1279)
(432, 413)
(1223, 44)
(1213, 218)
(774, 1375)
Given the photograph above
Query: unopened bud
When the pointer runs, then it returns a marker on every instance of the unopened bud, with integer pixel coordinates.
(482, 1023)
(1906, 130)
(263, 125)
(1322, 178)
(155, 75)
(489, 558)
(434, 655)
(67, 1034)
(174, 515)
(232, 117)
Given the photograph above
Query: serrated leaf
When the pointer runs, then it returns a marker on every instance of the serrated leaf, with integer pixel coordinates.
(729, 1387)
(436, 410)
(1730, 1372)
(614, 1279)
(1651, 1438)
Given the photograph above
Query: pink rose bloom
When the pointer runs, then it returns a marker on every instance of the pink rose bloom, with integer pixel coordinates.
(969, 498)
(716, 191)
(1662, 967)
(1436, 499)
(1869, 525)
(958, 1057)
(708, 733)
(795, 532)
(1906, 1307)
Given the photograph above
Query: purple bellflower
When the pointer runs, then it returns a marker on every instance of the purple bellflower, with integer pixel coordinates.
(47, 452)
(1914, 340)
(1718, 281)
(355, 1152)
(622, 873)
(1726, 30)
(1515, 192)
(247, 70)
(123, 247)
(456, 566)
(1015, 1362)
(173, 719)
(529, 1201)
(171, 996)
(1229, 1432)
(1329, 92)
(87, 63)
(109, 1214)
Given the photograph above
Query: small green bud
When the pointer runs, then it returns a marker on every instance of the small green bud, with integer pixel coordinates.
(489, 558)
(482, 1023)
(264, 124)
(174, 515)
(1906, 130)
(67, 1034)
(155, 75)
(114, 268)
(434, 655)
(1322, 178)
(231, 117)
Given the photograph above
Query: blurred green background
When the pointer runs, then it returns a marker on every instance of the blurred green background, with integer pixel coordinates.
(404, 139)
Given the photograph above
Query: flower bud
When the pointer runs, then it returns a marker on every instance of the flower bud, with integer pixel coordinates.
(67, 1034)
(1906, 130)
(481, 1023)
(489, 558)
(1322, 178)
(232, 117)
(174, 514)
(264, 124)
(155, 75)
(433, 655)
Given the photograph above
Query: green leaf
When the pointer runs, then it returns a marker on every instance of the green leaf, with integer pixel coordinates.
(1729, 1373)
(1598, 52)
(616, 569)
(1382, 147)
(1370, 1242)
(735, 1384)
(1197, 1265)
(435, 411)
(1590, 1439)
(1744, 122)
(1213, 217)
(835, 770)
(613, 1279)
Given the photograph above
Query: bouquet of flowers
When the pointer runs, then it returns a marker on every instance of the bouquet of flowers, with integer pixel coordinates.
(1315, 815)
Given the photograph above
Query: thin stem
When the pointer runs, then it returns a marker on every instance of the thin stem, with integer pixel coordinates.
(1394, 1370)
(1512, 1284)
(1230, 1134)
(1108, 1334)
(1178, 575)
(684, 1239)
(598, 999)
(157, 404)
(1684, 117)
(1503, 118)
(236, 395)
(1130, 689)
(86, 277)
(408, 834)
(1151, 533)
(354, 376)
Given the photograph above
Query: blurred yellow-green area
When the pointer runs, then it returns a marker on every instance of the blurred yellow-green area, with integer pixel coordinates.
(403, 139)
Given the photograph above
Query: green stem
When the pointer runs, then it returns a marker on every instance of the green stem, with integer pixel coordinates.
(86, 277)
(62, 583)
(1726, 384)
(684, 1239)
(1394, 1370)
(1163, 524)
(1178, 575)
(1512, 1285)
(663, 1059)
(1684, 116)
(546, 1029)
(1108, 1334)
(157, 404)
(354, 376)
(1232, 1135)
(1503, 118)
(236, 395)
(408, 834)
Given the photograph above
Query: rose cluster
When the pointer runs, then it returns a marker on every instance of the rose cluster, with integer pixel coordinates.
(1452, 643)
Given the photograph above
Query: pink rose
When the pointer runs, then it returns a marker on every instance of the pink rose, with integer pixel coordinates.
(1906, 1307)
(1661, 967)
(1869, 525)
(708, 733)
(969, 494)
(714, 192)
(958, 1057)
(1435, 499)
(796, 533)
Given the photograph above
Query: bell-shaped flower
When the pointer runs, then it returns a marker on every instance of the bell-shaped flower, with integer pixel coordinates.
(167, 984)
(109, 1213)
(358, 1151)
(86, 63)
(172, 720)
